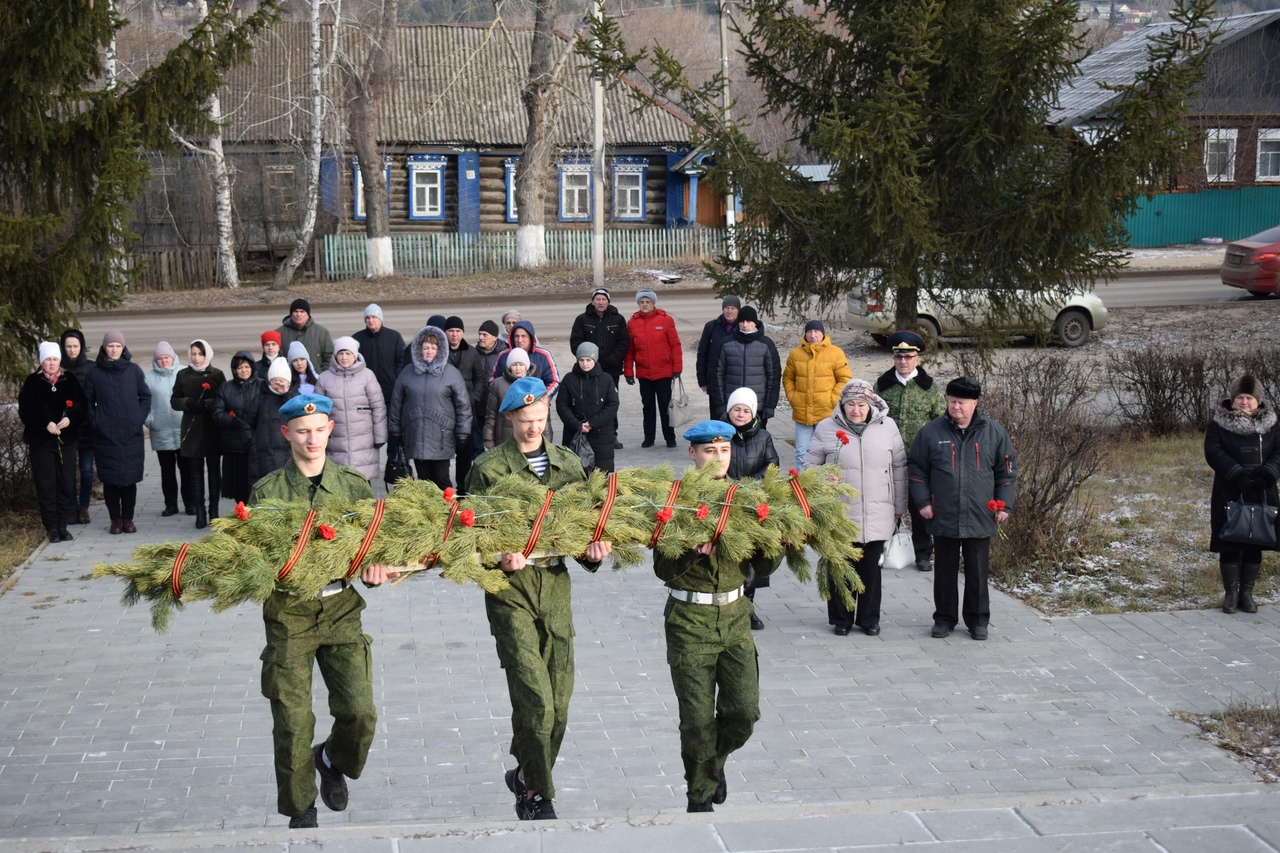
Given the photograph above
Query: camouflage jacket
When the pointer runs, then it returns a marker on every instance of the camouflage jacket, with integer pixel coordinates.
(912, 405)
(337, 482)
(702, 573)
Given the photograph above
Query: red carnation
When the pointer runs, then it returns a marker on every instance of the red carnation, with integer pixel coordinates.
(762, 512)
(448, 494)
(793, 472)
(663, 515)
(995, 506)
(467, 517)
(843, 436)
(231, 413)
(70, 404)
(326, 532)
(242, 511)
(702, 511)
(206, 386)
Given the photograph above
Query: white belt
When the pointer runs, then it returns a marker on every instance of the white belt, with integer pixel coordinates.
(334, 588)
(719, 599)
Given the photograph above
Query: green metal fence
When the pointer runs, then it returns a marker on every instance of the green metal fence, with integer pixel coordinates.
(439, 254)
(1168, 220)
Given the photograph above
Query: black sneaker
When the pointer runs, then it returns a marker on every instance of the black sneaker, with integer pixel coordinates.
(700, 807)
(515, 784)
(536, 807)
(306, 820)
(722, 790)
(940, 630)
(333, 785)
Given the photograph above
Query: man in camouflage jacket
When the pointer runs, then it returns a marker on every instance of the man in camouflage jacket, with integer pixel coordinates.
(709, 646)
(532, 620)
(914, 399)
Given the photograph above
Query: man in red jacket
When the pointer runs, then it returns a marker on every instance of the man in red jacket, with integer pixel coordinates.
(655, 357)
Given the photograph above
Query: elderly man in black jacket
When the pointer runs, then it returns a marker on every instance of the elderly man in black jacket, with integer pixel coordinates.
(961, 471)
(603, 325)
(383, 349)
(713, 333)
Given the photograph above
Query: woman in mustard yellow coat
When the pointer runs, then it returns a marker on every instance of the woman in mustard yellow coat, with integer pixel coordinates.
(815, 372)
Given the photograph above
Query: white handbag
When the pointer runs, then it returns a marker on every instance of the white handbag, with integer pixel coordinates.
(899, 552)
(680, 409)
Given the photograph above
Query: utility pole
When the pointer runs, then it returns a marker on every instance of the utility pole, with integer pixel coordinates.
(597, 165)
(730, 203)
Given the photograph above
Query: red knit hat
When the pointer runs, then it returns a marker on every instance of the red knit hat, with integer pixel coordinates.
(272, 335)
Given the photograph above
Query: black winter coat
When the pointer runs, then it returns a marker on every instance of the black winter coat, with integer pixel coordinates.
(470, 363)
(713, 334)
(78, 367)
(384, 353)
(746, 361)
(608, 332)
(119, 403)
(751, 451)
(199, 432)
(41, 403)
(270, 450)
(588, 398)
(1242, 450)
(235, 410)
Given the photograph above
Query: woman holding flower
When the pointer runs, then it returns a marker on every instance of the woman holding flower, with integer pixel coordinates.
(195, 392)
(51, 407)
(864, 441)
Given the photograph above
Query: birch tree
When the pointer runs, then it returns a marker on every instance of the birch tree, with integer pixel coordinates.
(541, 106)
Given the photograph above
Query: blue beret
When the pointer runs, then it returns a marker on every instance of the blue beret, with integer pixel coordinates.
(525, 390)
(306, 404)
(906, 341)
(709, 431)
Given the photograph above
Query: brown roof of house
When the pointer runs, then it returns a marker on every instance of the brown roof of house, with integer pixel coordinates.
(454, 85)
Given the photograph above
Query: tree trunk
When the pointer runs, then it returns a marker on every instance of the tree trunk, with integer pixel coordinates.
(221, 185)
(315, 141)
(541, 104)
(366, 89)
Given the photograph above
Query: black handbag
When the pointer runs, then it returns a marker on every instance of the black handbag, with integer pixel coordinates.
(586, 453)
(1250, 524)
(397, 465)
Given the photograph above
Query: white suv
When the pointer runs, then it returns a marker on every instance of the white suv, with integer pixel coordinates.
(955, 314)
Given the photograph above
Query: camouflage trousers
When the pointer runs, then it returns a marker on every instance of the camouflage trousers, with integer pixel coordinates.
(300, 634)
(716, 677)
(532, 626)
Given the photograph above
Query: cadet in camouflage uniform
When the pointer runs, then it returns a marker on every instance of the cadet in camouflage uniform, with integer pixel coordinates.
(709, 647)
(914, 399)
(325, 630)
(531, 621)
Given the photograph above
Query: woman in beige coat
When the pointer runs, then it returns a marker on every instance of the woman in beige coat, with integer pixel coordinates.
(864, 441)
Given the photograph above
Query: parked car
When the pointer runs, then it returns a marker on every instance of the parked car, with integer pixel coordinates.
(1254, 263)
(953, 314)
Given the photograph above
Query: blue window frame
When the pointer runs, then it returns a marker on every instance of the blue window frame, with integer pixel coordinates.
(357, 184)
(575, 189)
(426, 186)
(629, 178)
(509, 179)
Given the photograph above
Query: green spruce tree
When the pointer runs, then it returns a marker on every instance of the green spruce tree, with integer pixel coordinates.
(936, 116)
(70, 164)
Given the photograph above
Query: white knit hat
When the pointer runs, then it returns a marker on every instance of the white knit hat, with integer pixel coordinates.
(48, 349)
(743, 397)
(347, 343)
(279, 369)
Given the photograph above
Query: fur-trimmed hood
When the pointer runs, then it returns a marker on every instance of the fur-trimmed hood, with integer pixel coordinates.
(437, 365)
(1258, 422)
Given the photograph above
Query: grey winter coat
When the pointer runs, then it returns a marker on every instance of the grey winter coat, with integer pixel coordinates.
(164, 422)
(314, 337)
(430, 410)
(470, 363)
(958, 474)
(746, 361)
(119, 403)
(874, 463)
(359, 416)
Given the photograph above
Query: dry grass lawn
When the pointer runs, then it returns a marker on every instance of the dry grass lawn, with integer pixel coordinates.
(19, 536)
(1250, 729)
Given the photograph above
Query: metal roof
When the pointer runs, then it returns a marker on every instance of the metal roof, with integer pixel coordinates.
(456, 85)
(1120, 62)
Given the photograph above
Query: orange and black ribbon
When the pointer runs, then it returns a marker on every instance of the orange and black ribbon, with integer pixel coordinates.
(431, 559)
(800, 496)
(300, 547)
(379, 509)
(177, 569)
(723, 521)
(666, 508)
(611, 497)
(537, 525)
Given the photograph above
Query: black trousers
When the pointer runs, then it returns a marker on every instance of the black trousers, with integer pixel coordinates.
(171, 464)
(435, 470)
(199, 466)
(866, 605)
(120, 500)
(946, 595)
(655, 396)
(462, 463)
(55, 479)
(920, 538)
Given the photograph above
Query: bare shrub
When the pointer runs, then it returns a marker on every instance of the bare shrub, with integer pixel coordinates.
(17, 489)
(1047, 403)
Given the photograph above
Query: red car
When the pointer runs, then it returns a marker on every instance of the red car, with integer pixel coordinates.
(1254, 263)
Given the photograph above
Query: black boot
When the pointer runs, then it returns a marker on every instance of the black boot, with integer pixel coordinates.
(1231, 585)
(1248, 577)
(213, 509)
(202, 520)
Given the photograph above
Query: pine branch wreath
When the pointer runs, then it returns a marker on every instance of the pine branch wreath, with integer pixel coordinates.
(279, 545)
